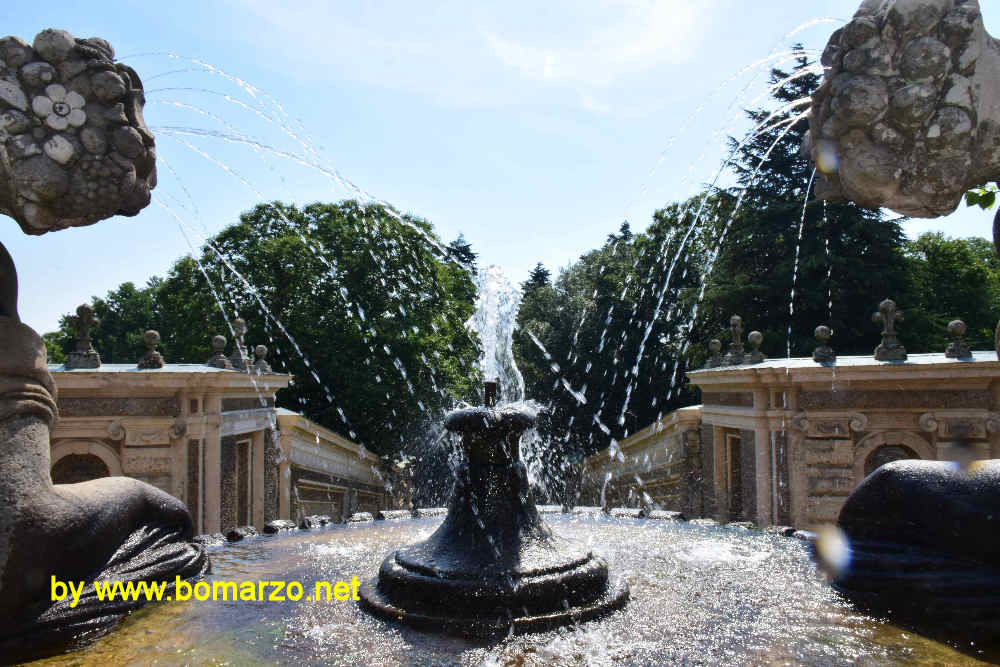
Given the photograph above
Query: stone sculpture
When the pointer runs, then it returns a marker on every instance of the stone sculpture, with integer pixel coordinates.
(238, 359)
(735, 355)
(755, 338)
(73, 150)
(890, 349)
(84, 356)
(261, 365)
(219, 358)
(924, 540)
(957, 348)
(908, 115)
(823, 353)
(493, 567)
(152, 358)
(714, 354)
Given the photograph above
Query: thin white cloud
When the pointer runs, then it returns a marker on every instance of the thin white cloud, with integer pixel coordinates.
(623, 38)
(469, 54)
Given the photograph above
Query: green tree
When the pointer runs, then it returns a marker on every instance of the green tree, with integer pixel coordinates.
(54, 348)
(363, 306)
(460, 251)
(953, 279)
(540, 277)
(613, 328)
(840, 259)
(124, 314)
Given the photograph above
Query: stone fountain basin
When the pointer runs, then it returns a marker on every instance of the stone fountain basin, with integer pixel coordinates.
(700, 594)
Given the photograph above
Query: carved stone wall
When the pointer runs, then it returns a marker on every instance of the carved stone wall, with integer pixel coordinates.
(233, 404)
(748, 474)
(338, 499)
(888, 399)
(783, 512)
(166, 406)
(271, 482)
(227, 495)
(736, 399)
(694, 491)
(193, 493)
(709, 504)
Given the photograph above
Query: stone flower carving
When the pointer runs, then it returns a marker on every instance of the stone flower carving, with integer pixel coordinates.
(74, 148)
(59, 108)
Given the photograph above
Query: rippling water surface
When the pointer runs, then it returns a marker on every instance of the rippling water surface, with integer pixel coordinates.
(700, 595)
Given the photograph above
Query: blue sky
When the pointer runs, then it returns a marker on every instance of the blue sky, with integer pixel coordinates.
(532, 128)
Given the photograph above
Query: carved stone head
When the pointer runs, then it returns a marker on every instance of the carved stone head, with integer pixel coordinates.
(74, 148)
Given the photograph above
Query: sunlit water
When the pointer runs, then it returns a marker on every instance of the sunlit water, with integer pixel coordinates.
(700, 595)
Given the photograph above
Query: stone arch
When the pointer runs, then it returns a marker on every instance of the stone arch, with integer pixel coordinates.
(903, 439)
(109, 456)
(74, 468)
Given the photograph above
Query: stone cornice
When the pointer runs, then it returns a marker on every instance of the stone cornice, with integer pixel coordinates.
(688, 416)
(928, 370)
(166, 380)
(304, 429)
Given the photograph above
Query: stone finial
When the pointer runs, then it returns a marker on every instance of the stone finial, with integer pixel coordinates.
(735, 355)
(823, 353)
(957, 348)
(84, 356)
(890, 349)
(714, 354)
(219, 359)
(261, 364)
(152, 358)
(238, 359)
(755, 338)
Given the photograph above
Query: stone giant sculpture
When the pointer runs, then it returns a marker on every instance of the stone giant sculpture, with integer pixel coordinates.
(73, 150)
(908, 115)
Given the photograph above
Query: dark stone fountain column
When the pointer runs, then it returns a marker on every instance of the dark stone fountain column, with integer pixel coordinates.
(493, 566)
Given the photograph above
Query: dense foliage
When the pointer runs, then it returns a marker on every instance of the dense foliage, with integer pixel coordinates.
(378, 308)
(606, 342)
(362, 306)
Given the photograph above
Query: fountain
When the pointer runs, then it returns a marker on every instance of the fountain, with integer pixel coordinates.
(73, 150)
(493, 566)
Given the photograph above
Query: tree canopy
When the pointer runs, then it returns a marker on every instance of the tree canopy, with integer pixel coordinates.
(363, 306)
